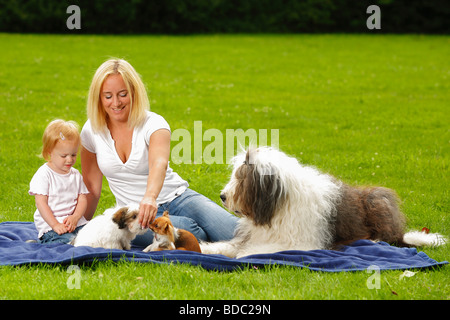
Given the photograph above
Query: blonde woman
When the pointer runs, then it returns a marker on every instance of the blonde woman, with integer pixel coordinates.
(129, 145)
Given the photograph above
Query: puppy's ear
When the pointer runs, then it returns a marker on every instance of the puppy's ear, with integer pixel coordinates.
(120, 217)
(166, 228)
(166, 214)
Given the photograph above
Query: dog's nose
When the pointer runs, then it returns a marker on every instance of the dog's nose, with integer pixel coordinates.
(223, 197)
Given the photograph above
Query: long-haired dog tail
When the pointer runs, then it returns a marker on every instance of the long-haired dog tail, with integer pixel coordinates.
(423, 239)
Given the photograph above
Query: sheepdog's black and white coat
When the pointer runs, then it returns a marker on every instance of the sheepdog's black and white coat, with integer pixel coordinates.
(288, 206)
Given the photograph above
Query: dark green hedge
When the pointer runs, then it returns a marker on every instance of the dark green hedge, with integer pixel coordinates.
(224, 16)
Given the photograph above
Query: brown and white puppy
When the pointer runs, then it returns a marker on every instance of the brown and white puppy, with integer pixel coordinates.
(167, 237)
(114, 229)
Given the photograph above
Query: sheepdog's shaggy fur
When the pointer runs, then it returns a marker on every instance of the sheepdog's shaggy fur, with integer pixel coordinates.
(288, 206)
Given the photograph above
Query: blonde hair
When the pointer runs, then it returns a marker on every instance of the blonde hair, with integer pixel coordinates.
(58, 130)
(139, 102)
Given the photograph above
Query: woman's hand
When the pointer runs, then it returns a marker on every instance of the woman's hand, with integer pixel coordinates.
(158, 160)
(147, 211)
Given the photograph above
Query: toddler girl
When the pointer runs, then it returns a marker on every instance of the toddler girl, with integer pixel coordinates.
(58, 188)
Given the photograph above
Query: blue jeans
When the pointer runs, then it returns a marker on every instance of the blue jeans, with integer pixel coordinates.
(196, 213)
(53, 237)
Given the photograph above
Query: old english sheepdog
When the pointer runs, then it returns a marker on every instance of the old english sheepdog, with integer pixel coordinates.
(289, 206)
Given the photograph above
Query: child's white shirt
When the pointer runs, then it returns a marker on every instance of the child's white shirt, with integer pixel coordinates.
(62, 191)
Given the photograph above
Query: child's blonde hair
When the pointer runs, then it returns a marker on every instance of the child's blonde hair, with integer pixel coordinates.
(138, 94)
(59, 130)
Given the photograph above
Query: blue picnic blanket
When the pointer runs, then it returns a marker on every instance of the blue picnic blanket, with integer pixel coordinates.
(357, 256)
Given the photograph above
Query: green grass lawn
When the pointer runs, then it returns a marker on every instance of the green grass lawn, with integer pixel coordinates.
(369, 109)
